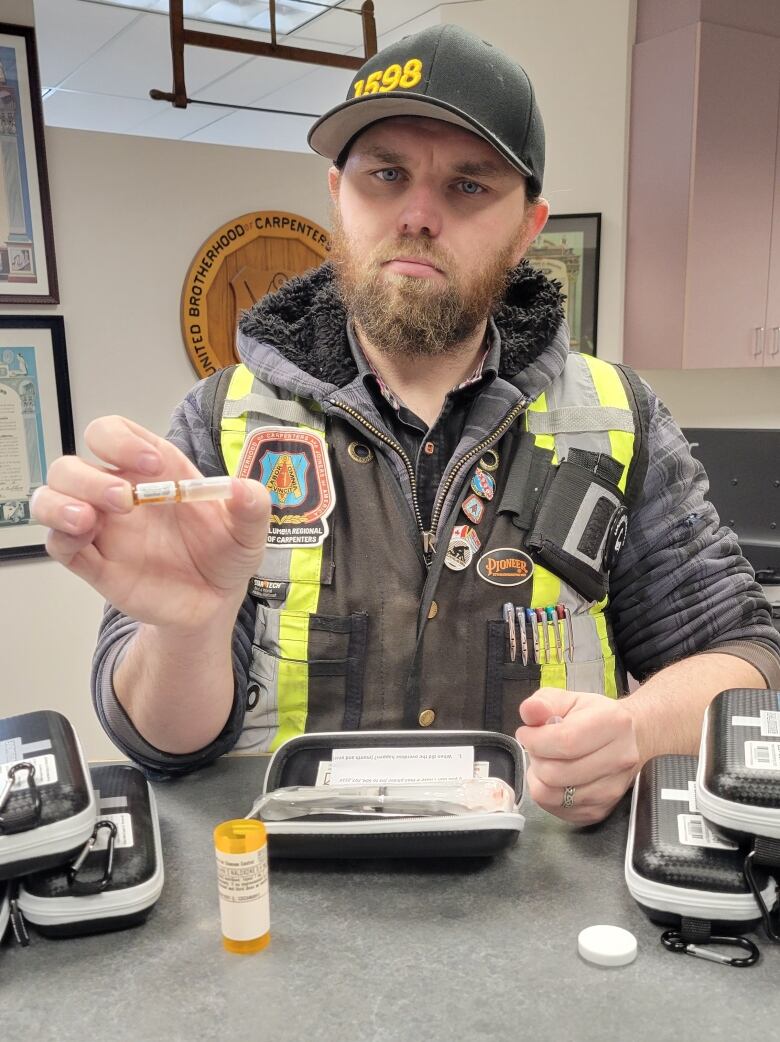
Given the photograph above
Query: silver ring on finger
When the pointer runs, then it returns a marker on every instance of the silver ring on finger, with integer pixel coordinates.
(568, 796)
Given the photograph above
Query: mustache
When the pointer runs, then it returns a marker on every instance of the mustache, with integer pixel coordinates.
(414, 249)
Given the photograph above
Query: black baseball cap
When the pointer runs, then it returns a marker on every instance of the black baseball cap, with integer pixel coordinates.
(449, 74)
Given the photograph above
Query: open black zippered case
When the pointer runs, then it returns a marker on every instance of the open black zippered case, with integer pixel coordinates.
(302, 759)
(120, 877)
(47, 806)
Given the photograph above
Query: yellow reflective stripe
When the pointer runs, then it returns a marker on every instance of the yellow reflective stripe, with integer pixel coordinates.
(612, 393)
(233, 431)
(303, 596)
(610, 666)
(543, 441)
(292, 689)
(546, 593)
(292, 680)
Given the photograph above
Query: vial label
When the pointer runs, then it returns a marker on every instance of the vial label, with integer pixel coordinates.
(242, 880)
(155, 490)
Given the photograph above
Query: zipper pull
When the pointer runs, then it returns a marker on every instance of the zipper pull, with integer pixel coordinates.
(429, 543)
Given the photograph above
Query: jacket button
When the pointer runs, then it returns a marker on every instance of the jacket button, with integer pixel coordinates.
(426, 718)
(433, 611)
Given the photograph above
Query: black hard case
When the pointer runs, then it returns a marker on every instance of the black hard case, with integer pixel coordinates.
(50, 902)
(732, 791)
(673, 880)
(481, 834)
(66, 818)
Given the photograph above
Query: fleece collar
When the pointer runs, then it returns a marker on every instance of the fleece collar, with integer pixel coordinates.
(305, 322)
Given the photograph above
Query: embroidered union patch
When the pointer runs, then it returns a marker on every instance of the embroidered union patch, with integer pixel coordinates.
(293, 465)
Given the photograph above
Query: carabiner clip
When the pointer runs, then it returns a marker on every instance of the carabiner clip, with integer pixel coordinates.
(79, 886)
(28, 818)
(672, 939)
(752, 882)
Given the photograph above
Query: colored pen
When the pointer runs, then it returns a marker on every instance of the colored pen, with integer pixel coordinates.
(509, 619)
(523, 635)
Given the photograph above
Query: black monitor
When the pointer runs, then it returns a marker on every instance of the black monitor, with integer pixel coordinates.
(744, 471)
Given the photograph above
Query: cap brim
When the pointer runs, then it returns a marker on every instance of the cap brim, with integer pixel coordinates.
(333, 131)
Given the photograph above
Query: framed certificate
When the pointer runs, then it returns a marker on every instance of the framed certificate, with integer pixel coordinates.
(36, 423)
(27, 269)
(567, 250)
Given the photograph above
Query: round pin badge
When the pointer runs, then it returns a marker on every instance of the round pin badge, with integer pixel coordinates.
(483, 484)
(459, 555)
(490, 460)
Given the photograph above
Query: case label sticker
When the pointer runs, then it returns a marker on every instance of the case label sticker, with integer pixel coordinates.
(683, 795)
(768, 721)
(14, 749)
(124, 832)
(763, 755)
(45, 771)
(694, 831)
(481, 770)
(11, 750)
(404, 765)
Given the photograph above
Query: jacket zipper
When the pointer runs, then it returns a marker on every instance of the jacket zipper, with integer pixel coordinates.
(505, 424)
(429, 536)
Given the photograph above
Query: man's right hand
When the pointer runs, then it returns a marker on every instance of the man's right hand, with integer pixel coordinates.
(173, 566)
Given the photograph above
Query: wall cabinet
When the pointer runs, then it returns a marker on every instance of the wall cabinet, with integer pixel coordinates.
(703, 250)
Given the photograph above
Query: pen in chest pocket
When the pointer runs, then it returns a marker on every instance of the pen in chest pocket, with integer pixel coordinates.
(551, 633)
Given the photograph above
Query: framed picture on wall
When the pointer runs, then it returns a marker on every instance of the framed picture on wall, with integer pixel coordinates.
(36, 423)
(567, 250)
(27, 268)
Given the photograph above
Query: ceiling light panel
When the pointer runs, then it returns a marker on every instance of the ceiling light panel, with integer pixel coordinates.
(243, 14)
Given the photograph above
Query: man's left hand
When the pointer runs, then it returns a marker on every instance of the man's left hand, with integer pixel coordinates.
(581, 766)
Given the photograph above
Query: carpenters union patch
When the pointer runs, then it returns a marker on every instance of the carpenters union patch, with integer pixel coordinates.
(293, 465)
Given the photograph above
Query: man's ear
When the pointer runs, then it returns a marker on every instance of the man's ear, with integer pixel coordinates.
(334, 180)
(533, 222)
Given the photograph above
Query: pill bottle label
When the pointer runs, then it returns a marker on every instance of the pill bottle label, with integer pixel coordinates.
(243, 894)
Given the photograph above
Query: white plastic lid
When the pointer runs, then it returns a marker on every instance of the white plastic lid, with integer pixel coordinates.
(607, 945)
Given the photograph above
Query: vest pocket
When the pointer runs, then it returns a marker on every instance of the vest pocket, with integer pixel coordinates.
(507, 683)
(308, 669)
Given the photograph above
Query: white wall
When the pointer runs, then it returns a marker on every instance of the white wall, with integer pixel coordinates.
(130, 212)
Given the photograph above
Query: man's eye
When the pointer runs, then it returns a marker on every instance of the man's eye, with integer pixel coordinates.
(390, 175)
(471, 188)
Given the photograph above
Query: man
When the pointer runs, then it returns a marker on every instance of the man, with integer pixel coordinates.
(464, 517)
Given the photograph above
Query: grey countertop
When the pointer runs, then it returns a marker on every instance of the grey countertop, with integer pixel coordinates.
(382, 951)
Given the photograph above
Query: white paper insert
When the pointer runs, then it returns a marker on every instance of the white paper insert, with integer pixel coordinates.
(45, 771)
(124, 831)
(400, 766)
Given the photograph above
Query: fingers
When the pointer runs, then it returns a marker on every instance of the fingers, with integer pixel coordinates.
(544, 703)
(589, 723)
(75, 492)
(248, 512)
(615, 758)
(130, 447)
(592, 801)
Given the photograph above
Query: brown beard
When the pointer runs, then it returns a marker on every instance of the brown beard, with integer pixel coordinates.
(416, 317)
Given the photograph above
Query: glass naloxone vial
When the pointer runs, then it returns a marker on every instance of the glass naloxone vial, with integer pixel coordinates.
(242, 877)
(190, 490)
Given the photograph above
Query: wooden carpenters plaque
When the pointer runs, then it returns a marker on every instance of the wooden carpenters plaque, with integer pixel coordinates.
(241, 262)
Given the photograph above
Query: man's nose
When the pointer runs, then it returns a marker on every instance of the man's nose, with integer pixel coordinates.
(420, 213)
